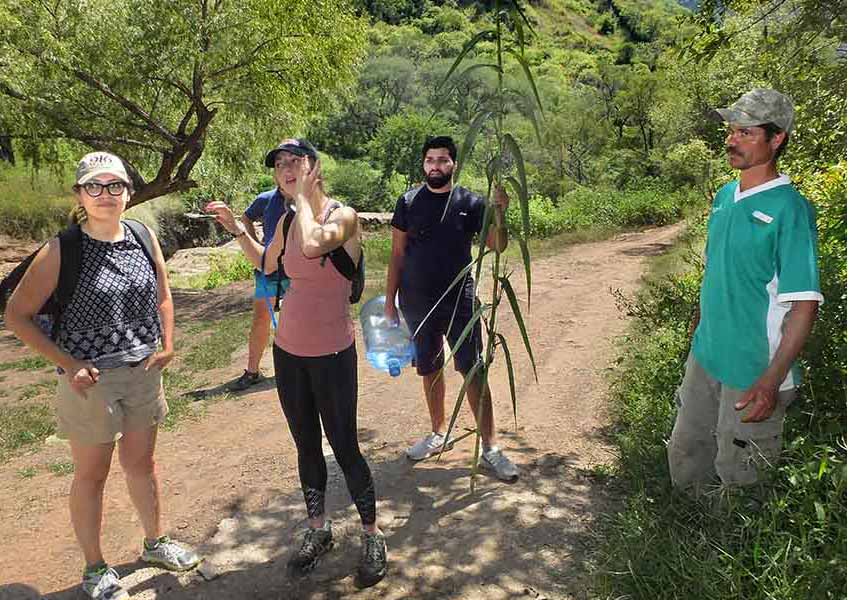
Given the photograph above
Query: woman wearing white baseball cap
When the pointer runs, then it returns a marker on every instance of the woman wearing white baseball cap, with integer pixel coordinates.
(106, 346)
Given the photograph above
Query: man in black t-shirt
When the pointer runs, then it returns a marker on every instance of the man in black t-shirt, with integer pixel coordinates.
(432, 243)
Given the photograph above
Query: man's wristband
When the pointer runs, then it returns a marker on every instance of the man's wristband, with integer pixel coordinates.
(241, 233)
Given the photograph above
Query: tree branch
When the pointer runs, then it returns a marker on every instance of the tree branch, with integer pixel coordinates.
(176, 84)
(127, 104)
(92, 139)
(244, 62)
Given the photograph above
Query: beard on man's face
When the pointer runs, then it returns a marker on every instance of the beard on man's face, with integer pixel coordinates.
(437, 179)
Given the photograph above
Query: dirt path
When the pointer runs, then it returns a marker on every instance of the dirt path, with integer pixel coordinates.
(230, 479)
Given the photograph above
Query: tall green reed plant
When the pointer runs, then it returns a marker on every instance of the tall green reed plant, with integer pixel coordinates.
(505, 168)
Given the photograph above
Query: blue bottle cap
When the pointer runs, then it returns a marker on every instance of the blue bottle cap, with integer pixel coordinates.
(394, 367)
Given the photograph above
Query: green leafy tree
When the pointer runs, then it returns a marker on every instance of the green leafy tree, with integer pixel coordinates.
(636, 101)
(575, 134)
(396, 147)
(147, 79)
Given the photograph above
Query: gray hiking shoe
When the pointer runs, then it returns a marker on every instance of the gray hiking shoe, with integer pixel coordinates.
(103, 584)
(316, 542)
(244, 381)
(430, 445)
(170, 555)
(494, 460)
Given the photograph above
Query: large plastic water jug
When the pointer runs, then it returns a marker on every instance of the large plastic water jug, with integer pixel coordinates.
(388, 345)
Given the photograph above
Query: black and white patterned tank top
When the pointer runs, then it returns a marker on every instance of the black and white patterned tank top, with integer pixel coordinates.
(112, 318)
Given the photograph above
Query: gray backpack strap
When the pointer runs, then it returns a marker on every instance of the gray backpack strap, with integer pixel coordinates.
(410, 194)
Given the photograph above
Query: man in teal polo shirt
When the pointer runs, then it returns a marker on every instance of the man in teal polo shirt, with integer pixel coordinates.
(758, 302)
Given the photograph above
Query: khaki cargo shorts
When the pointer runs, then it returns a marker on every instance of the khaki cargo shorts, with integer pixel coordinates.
(123, 399)
(709, 440)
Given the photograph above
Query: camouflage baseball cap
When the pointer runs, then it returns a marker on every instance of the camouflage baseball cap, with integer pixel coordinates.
(100, 163)
(759, 107)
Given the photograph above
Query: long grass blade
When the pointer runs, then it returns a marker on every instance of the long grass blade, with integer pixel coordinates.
(463, 272)
(467, 329)
(454, 308)
(518, 8)
(469, 142)
(531, 115)
(519, 28)
(509, 292)
(478, 66)
(527, 70)
(482, 238)
(467, 380)
(522, 184)
(526, 263)
(466, 49)
(511, 381)
(513, 148)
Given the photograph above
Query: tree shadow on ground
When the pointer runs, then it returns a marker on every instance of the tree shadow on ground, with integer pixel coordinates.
(501, 541)
(211, 305)
(652, 249)
(267, 383)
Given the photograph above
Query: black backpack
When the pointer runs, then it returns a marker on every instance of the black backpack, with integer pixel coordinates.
(71, 251)
(341, 260)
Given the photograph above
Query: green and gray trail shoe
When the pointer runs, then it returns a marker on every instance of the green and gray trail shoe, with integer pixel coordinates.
(373, 562)
(316, 542)
(102, 583)
(168, 554)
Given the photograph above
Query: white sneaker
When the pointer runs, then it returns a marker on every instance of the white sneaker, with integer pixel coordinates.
(430, 445)
(103, 584)
(495, 460)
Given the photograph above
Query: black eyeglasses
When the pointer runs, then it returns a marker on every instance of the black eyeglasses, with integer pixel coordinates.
(95, 189)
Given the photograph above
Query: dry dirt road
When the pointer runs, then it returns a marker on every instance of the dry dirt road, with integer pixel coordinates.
(230, 483)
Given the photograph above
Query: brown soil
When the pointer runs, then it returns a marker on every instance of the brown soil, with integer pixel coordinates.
(13, 251)
(230, 484)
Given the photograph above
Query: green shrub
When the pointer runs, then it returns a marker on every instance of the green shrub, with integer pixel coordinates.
(377, 249)
(33, 205)
(599, 207)
(358, 185)
(228, 268)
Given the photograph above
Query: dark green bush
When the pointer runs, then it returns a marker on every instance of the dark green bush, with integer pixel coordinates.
(358, 185)
(600, 207)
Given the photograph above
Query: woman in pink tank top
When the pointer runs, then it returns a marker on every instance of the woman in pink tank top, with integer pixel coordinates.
(315, 360)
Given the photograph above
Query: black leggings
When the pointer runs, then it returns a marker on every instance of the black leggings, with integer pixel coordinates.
(326, 386)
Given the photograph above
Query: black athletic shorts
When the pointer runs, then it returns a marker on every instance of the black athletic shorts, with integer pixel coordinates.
(428, 341)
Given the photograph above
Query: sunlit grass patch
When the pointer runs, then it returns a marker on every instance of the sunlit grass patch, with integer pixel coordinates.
(61, 467)
(30, 363)
(23, 425)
